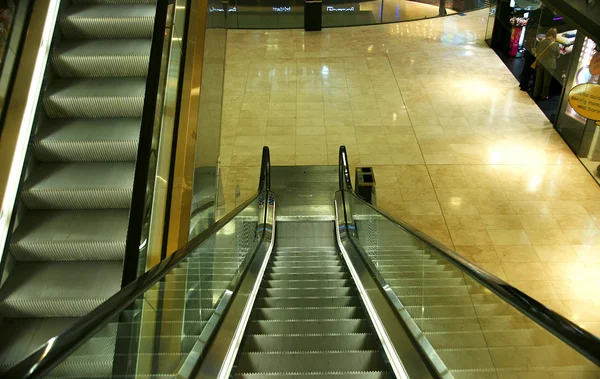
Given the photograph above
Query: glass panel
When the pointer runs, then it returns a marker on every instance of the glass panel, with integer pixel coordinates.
(13, 22)
(471, 329)
(490, 22)
(163, 142)
(269, 14)
(207, 193)
(156, 333)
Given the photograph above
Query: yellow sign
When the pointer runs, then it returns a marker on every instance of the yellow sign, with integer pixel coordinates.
(585, 100)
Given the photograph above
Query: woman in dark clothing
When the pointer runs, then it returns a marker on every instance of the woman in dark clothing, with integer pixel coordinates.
(547, 51)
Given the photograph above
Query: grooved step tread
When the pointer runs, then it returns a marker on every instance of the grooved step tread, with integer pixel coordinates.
(89, 130)
(307, 362)
(316, 342)
(58, 289)
(84, 185)
(103, 47)
(102, 139)
(96, 88)
(71, 235)
(305, 313)
(109, 10)
(101, 58)
(320, 301)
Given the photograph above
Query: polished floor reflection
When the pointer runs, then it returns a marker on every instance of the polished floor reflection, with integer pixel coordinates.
(458, 150)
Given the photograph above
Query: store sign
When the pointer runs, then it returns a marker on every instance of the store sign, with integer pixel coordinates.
(334, 9)
(528, 5)
(595, 64)
(585, 100)
(213, 9)
(282, 9)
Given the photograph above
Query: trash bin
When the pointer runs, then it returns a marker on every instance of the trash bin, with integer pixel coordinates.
(312, 15)
(364, 184)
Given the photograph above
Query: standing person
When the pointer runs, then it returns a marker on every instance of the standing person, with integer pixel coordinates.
(546, 52)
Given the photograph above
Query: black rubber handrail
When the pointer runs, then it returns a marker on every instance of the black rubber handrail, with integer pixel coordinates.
(58, 348)
(572, 334)
(201, 208)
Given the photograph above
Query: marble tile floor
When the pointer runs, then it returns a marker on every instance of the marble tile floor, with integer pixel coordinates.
(458, 150)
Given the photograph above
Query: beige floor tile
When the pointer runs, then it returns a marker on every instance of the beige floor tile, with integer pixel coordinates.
(509, 237)
(538, 222)
(589, 236)
(587, 253)
(579, 221)
(494, 207)
(447, 177)
(556, 253)
(413, 176)
(478, 254)
(461, 222)
(470, 237)
(416, 194)
(375, 159)
(516, 254)
(525, 271)
(423, 208)
(547, 237)
(530, 207)
(565, 270)
(501, 222)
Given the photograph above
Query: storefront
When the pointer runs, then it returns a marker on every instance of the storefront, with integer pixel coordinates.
(515, 31)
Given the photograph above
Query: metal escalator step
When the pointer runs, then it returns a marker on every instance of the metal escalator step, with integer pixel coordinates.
(295, 250)
(87, 140)
(306, 243)
(58, 289)
(307, 269)
(80, 235)
(307, 263)
(84, 367)
(400, 282)
(95, 97)
(79, 186)
(388, 266)
(435, 300)
(307, 257)
(317, 342)
(320, 375)
(306, 292)
(464, 290)
(297, 302)
(394, 273)
(308, 326)
(321, 313)
(445, 311)
(469, 339)
(298, 362)
(81, 21)
(307, 283)
(101, 58)
(307, 275)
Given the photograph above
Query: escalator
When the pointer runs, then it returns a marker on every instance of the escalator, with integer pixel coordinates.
(275, 289)
(307, 316)
(65, 254)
